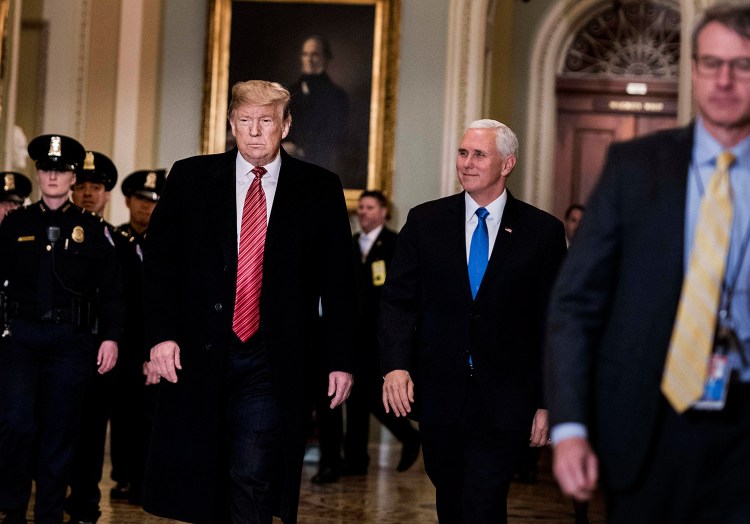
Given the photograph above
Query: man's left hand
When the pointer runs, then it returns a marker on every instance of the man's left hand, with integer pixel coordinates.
(107, 356)
(540, 429)
(339, 386)
(151, 373)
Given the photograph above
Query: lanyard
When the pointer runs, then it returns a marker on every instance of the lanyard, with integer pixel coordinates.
(730, 281)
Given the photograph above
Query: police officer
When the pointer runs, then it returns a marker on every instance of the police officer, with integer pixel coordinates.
(142, 190)
(91, 191)
(59, 271)
(14, 189)
(130, 418)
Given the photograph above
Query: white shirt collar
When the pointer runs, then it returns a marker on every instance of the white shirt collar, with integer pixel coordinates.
(495, 208)
(243, 167)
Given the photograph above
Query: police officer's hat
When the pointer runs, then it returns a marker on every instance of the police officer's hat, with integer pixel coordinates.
(146, 184)
(56, 153)
(97, 168)
(14, 187)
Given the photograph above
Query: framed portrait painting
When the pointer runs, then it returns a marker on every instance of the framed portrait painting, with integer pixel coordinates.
(338, 59)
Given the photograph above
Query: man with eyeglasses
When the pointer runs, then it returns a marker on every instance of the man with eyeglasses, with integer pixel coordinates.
(648, 358)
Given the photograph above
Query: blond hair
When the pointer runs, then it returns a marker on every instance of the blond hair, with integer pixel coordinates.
(259, 92)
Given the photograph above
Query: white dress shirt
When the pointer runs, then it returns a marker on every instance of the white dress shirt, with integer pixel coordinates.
(495, 209)
(244, 178)
(366, 240)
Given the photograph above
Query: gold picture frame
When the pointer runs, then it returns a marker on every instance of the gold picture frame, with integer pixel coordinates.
(267, 42)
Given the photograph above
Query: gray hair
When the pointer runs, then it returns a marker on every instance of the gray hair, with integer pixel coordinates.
(507, 142)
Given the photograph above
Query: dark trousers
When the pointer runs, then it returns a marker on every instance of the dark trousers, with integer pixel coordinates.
(254, 433)
(699, 471)
(471, 463)
(88, 462)
(366, 398)
(132, 412)
(44, 370)
(330, 424)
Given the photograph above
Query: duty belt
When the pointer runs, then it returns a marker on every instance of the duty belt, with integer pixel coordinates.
(29, 312)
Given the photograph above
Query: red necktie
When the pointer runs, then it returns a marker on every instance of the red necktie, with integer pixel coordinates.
(250, 261)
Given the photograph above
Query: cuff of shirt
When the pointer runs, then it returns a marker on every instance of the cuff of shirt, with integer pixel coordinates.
(567, 430)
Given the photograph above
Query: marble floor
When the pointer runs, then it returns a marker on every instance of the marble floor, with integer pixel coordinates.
(384, 496)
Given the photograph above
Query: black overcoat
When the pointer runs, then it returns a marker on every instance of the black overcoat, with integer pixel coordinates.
(190, 268)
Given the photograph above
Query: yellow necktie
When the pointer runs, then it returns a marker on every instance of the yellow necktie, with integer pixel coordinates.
(695, 325)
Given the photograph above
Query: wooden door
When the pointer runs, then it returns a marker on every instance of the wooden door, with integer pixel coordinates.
(593, 114)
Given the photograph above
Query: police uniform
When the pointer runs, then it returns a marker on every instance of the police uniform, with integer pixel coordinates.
(15, 187)
(146, 184)
(82, 503)
(130, 423)
(60, 277)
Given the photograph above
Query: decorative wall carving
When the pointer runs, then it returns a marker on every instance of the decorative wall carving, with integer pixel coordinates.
(637, 38)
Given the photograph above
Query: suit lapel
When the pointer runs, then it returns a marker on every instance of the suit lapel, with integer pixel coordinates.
(506, 235)
(289, 192)
(455, 235)
(376, 251)
(670, 177)
(221, 204)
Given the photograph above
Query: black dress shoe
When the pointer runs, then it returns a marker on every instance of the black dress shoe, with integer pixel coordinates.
(83, 519)
(121, 491)
(325, 476)
(348, 470)
(409, 454)
(528, 475)
(134, 495)
(15, 517)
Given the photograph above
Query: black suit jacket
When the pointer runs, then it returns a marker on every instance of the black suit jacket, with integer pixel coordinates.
(368, 294)
(614, 305)
(430, 324)
(190, 280)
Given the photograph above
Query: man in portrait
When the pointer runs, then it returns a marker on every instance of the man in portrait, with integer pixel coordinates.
(319, 108)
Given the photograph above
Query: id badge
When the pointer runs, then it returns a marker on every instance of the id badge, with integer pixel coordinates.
(378, 273)
(715, 391)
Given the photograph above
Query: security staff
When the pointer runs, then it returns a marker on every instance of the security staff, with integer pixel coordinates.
(131, 411)
(142, 190)
(59, 271)
(95, 180)
(14, 189)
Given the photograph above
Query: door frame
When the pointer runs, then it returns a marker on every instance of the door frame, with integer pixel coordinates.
(550, 46)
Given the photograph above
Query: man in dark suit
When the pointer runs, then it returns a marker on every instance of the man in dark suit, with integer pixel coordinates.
(461, 336)
(615, 328)
(231, 333)
(372, 251)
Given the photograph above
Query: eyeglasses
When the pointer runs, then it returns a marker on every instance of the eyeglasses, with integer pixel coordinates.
(708, 65)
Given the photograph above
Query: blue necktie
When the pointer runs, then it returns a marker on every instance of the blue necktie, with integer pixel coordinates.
(479, 251)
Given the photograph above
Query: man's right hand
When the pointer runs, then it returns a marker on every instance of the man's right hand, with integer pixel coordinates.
(576, 468)
(165, 357)
(398, 392)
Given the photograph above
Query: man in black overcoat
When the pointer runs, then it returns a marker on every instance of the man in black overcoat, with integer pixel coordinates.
(228, 436)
